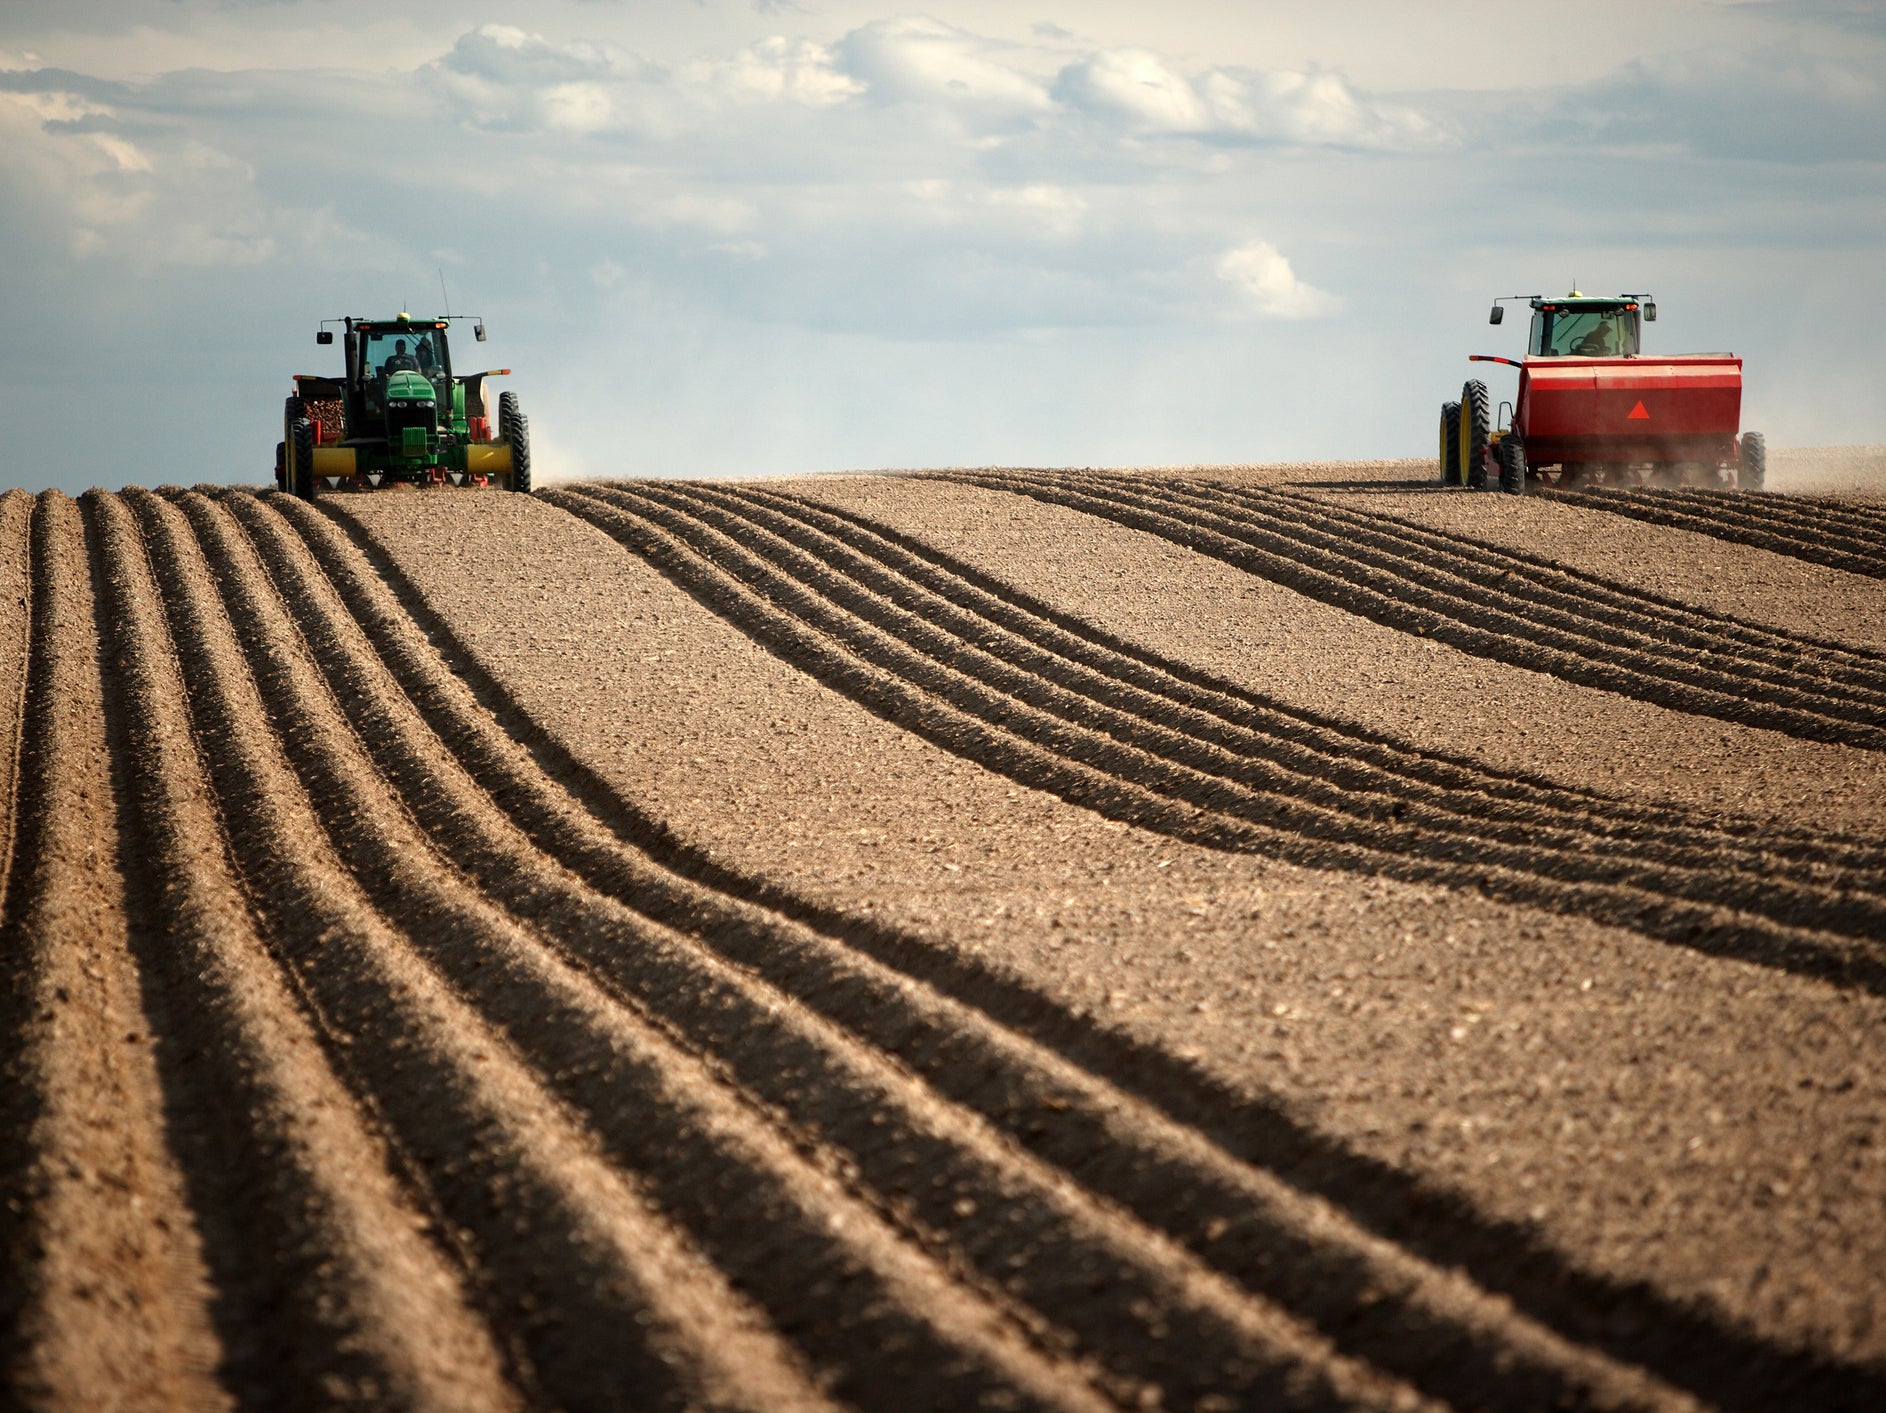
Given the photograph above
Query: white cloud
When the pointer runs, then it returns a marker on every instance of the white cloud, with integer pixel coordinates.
(504, 54)
(779, 69)
(1267, 286)
(926, 61)
(501, 78)
(1136, 87)
(1311, 109)
(1145, 93)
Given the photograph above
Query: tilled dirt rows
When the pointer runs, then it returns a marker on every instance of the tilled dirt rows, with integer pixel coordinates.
(1829, 532)
(776, 945)
(1730, 584)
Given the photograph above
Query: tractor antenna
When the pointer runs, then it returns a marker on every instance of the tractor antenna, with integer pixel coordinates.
(443, 295)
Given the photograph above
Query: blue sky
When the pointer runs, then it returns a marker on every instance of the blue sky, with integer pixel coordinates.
(757, 236)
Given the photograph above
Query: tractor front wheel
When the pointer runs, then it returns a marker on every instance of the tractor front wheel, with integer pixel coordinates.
(1752, 468)
(1476, 431)
(1512, 465)
(1450, 444)
(301, 458)
(281, 466)
(514, 429)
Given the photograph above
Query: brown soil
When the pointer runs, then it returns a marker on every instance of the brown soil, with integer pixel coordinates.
(1207, 938)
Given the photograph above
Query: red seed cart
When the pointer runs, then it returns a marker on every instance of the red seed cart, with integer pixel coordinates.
(1592, 410)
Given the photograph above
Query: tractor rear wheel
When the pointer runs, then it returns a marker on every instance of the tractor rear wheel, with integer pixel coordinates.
(1753, 468)
(1476, 430)
(514, 428)
(1450, 444)
(281, 466)
(1512, 465)
(301, 458)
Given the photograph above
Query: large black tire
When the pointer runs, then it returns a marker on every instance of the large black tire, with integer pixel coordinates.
(1450, 444)
(292, 412)
(514, 428)
(1512, 465)
(1476, 430)
(1753, 468)
(301, 458)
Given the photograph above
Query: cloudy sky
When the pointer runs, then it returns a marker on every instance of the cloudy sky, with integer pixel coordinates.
(757, 236)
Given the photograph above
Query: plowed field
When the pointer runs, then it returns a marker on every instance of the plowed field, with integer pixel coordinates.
(1236, 938)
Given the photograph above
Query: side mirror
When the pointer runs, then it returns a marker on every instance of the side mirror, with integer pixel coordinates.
(1499, 313)
(1650, 313)
(478, 331)
(325, 336)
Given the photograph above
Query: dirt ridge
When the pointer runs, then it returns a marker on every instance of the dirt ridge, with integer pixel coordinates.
(1351, 755)
(706, 1000)
(452, 1079)
(959, 1041)
(1081, 763)
(1390, 591)
(705, 1160)
(333, 1293)
(1073, 655)
(101, 1297)
(1856, 524)
(1629, 613)
(1718, 513)
(1176, 733)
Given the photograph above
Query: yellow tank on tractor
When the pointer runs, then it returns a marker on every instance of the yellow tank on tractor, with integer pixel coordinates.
(400, 415)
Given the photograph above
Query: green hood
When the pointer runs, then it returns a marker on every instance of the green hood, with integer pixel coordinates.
(408, 385)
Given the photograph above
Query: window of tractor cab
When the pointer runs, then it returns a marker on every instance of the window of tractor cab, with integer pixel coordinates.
(414, 350)
(1583, 333)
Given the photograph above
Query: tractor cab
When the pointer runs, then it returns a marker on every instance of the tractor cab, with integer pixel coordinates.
(1579, 326)
(379, 349)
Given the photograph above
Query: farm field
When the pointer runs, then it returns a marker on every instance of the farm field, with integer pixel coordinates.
(1207, 938)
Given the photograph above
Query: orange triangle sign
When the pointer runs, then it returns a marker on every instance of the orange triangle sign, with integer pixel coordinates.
(1638, 412)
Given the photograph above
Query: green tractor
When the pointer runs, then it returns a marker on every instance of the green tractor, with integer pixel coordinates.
(400, 416)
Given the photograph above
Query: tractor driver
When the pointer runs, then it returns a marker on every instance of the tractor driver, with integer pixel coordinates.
(399, 361)
(1597, 343)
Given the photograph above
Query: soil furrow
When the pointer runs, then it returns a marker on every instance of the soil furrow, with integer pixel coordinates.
(982, 625)
(570, 1252)
(1597, 621)
(1341, 752)
(943, 1175)
(1596, 613)
(1734, 1368)
(16, 634)
(1658, 624)
(1848, 526)
(1387, 596)
(1007, 734)
(1797, 544)
(912, 1157)
(327, 1293)
(1392, 592)
(105, 1301)
(878, 1317)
